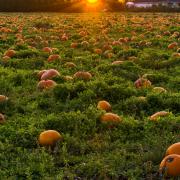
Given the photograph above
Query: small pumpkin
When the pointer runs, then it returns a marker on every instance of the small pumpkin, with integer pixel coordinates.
(10, 53)
(159, 90)
(3, 98)
(49, 74)
(117, 62)
(170, 165)
(172, 45)
(53, 57)
(173, 149)
(70, 64)
(47, 49)
(155, 116)
(40, 73)
(142, 83)
(49, 138)
(104, 105)
(46, 84)
(110, 118)
(83, 75)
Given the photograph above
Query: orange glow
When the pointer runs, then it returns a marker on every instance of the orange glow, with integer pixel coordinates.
(92, 1)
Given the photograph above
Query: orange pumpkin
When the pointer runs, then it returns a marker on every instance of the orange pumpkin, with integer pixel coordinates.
(3, 98)
(142, 83)
(170, 165)
(85, 43)
(173, 149)
(49, 74)
(74, 45)
(117, 62)
(2, 119)
(104, 105)
(5, 58)
(68, 78)
(46, 84)
(110, 118)
(172, 45)
(10, 53)
(155, 116)
(98, 51)
(70, 64)
(53, 57)
(47, 49)
(40, 73)
(64, 37)
(49, 138)
(83, 75)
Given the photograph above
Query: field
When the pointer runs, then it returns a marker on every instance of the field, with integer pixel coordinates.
(116, 50)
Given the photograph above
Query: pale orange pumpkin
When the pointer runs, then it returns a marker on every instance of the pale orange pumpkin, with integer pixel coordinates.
(110, 118)
(53, 57)
(70, 64)
(172, 45)
(46, 84)
(142, 83)
(98, 51)
(49, 74)
(49, 138)
(10, 53)
(74, 45)
(3, 98)
(104, 105)
(47, 49)
(83, 75)
(40, 73)
(170, 165)
(155, 116)
(117, 62)
(173, 149)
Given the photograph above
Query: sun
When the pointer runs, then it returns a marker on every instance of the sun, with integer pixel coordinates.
(92, 1)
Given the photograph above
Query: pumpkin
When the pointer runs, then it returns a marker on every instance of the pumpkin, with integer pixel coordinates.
(85, 43)
(172, 45)
(10, 53)
(47, 49)
(68, 78)
(70, 64)
(49, 74)
(117, 62)
(64, 37)
(98, 51)
(46, 84)
(173, 149)
(110, 118)
(40, 73)
(2, 119)
(53, 57)
(104, 105)
(159, 90)
(6, 58)
(170, 165)
(155, 116)
(3, 98)
(83, 75)
(49, 138)
(74, 45)
(142, 83)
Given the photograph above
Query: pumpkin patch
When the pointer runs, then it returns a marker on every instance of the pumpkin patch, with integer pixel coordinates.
(89, 95)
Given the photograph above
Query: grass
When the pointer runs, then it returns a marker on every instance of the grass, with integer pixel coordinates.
(90, 150)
